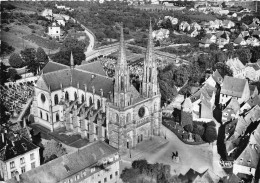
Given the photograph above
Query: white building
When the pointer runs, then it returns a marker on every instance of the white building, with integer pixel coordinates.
(234, 87)
(46, 12)
(95, 163)
(17, 156)
(54, 30)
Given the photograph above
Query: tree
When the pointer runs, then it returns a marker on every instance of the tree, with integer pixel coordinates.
(16, 61)
(63, 57)
(181, 75)
(6, 48)
(28, 55)
(244, 55)
(186, 118)
(198, 129)
(210, 134)
(41, 56)
(3, 74)
(213, 47)
(52, 149)
(168, 92)
(188, 127)
(223, 69)
(4, 116)
(129, 175)
(13, 75)
(255, 54)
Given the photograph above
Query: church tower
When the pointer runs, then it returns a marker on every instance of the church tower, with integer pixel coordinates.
(149, 83)
(122, 92)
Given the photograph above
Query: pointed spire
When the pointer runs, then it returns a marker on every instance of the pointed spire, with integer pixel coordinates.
(122, 55)
(149, 49)
(71, 60)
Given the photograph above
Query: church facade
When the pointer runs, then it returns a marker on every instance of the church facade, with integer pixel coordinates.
(84, 100)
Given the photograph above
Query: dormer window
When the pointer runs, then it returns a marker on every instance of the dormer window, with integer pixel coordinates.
(24, 146)
(241, 159)
(14, 150)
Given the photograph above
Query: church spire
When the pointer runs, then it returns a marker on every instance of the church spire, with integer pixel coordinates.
(122, 56)
(71, 60)
(149, 50)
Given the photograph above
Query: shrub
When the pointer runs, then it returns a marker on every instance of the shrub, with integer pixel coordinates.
(188, 127)
(198, 129)
(16, 61)
(13, 74)
(210, 134)
(212, 123)
(185, 136)
(31, 26)
(197, 138)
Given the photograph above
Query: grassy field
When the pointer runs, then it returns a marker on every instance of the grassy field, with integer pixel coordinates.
(42, 42)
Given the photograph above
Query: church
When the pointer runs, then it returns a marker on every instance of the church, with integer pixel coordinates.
(84, 100)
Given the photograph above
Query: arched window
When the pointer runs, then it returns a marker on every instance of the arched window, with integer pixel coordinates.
(57, 117)
(41, 114)
(82, 98)
(90, 100)
(75, 95)
(67, 96)
(56, 99)
(117, 118)
(43, 99)
(128, 118)
(47, 117)
(98, 104)
(155, 107)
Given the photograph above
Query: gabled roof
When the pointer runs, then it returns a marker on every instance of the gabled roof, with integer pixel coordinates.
(255, 136)
(65, 166)
(235, 64)
(249, 157)
(254, 101)
(233, 104)
(20, 146)
(233, 86)
(253, 115)
(238, 40)
(217, 77)
(240, 127)
(95, 67)
(208, 176)
(52, 67)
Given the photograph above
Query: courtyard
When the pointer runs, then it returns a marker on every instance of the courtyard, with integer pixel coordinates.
(198, 157)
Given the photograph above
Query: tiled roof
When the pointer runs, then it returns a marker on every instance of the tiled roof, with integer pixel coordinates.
(253, 115)
(249, 157)
(233, 86)
(20, 146)
(95, 67)
(255, 136)
(233, 104)
(241, 126)
(52, 67)
(238, 40)
(254, 101)
(208, 176)
(235, 64)
(65, 166)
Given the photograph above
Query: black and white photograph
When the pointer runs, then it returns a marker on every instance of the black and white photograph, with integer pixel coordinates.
(130, 91)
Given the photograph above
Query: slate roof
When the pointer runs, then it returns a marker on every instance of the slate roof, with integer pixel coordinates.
(233, 86)
(52, 67)
(249, 157)
(238, 40)
(208, 177)
(253, 115)
(95, 67)
(65, 166)
(21, 146)
(73, 77)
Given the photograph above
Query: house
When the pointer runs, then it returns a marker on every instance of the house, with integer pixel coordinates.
(17, 155)
(228, 24)
(253, 101)
(253, 91)
(239, 41)
(207, 103)
(214, 24)
(54, 31)
(254, 75)
(253, 41)
(96, 162)
(196, 26)
(184, 26)
(222, 38)
(161, 34)
(217, 77)
(234, 87)
(60, 7)
(244, 34)
(211, 37)
(60, 20)
(173, 20)
(237, 67)
(231, 111)
(256, 33)
(192, 32)
(205, 42)
(46, 12)
(253, 26)
(247, 162)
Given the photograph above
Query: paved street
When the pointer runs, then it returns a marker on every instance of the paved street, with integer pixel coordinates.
(197, 157)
